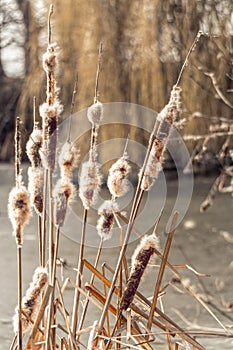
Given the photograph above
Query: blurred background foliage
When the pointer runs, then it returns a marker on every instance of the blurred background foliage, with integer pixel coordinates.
(145, 43)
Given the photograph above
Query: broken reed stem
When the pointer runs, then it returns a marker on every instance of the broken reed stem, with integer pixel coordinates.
(20, 331)
(79, 274)
(162, 269)
(86, 302)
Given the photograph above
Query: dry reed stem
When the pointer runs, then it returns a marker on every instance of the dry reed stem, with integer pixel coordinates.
(191, 291)
(86, 302)
(72, 342)
(79, 274)
(20, 329)
(162, 267)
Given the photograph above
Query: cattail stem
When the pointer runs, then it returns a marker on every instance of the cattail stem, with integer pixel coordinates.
(86, 302)
(79, 274)
(17, 151)
(40, 240)
(196, 39)
(49, 23)
(20, 333)
(44, 217)
(72, 106)
(98, 72)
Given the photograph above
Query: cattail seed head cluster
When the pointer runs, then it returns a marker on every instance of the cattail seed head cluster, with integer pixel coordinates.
(153, 166)
(33, 147)
(36, 171)
(90, 182)
(63, 193)
(18, 211)
(35, 187)
(31, 299)
(117, 182)
(166, 119)
(140, 260)
(50, 110)
(64, 189)
(95, 113)
(106, 220)
(67, 160)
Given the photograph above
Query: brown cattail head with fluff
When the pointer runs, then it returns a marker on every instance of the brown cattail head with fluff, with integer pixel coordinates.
(33, 146)
(63, 193)
(31, 299)
(140, 260)
(67, 160)
(106, 220)
(18, 211)
(35, 187)
(117, 182)
(90, 182)
(153, 166)
(49, 58)
(95, 113)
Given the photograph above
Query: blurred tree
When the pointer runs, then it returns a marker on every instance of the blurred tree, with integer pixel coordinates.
(145, 43)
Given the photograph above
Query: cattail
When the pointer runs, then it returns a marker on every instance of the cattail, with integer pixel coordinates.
(49, 114)
(140, 260)
(50, 110)
(33, 146)
(67, 160)
(117, 182)
(106, 220)
(18, 211)
(154, 165)
(95, 113)
(90, 182)
(166, 118)
(35, 187)
(63, 193)
(31, 299)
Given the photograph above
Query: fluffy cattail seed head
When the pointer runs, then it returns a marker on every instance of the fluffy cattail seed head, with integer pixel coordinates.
(50, 59)
(117, 182)
(31, 299)
(172, 110)
(67, 159)
(95, 113)
(140, 260)
(90, 182)
(33, 146)
(63, 192)
(106, 220)
(51, 110)
(153, 166)
(18, 211)
(35, 187)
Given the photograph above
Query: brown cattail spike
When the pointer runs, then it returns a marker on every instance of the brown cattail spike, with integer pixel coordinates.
(90, 182)
(106, 220)
(33, 146)
(117, 182)
(140, 260)
(35, 187)
(63, 192)
(31, 299)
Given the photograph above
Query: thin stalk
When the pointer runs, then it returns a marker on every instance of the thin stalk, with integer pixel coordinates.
(44, 217)
(20, 333)
(86, 302)
(40, 239)
(98, 72)
(105, 294)
(196, 39)
(79, 274)
(49, 23)
(72, 106)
